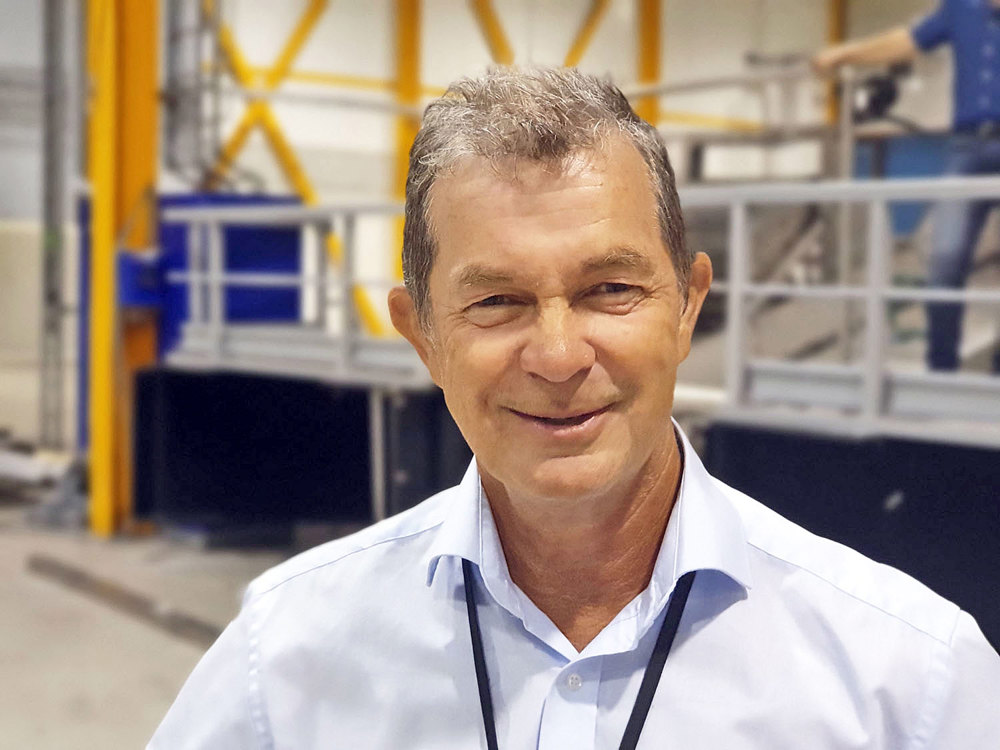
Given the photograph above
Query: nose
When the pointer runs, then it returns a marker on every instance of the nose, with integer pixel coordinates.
(557, 348)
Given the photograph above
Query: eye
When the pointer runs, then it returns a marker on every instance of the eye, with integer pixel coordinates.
(613, 288)
(494, 301)
(494, 310)
(614, 297)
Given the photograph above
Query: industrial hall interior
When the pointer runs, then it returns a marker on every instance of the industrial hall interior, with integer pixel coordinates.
(201, 220)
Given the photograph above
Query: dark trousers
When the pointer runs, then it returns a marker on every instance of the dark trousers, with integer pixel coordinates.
(956, 233)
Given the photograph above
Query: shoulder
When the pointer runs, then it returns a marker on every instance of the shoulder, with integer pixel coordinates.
(400, 538)
(835, 579)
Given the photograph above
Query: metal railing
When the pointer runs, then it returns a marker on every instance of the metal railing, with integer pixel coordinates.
(330, 350)
(864, 396)
(868, 397)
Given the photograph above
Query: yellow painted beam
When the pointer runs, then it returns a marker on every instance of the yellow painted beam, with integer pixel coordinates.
(136, 162)
(101, 67)
(648, 61)
(489, 23)
(367, 313)
(238, 65)
(260, 114)
(293, 45)
(285, 155)
(733, 124)
(586, 33)
(836, 31)
(230, 150)
(407, 93)
(341, 80)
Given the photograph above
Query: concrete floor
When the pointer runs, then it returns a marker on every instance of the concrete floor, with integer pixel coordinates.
(78, 673)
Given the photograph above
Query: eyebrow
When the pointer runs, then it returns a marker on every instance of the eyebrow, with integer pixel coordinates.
(479, 275)
(476, 274)
(620, 257)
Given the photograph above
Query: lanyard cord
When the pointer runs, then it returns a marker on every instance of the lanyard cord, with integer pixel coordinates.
(650, 679)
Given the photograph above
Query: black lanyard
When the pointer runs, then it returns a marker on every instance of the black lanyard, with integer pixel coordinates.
(650, 678)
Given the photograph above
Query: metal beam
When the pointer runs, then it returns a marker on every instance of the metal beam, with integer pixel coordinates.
(648, 62)
(586, 33)
(836, 31)
(408, 30)
(260, 114)
(51, 400)
(493, 33)
(136, 163)
(101, 138)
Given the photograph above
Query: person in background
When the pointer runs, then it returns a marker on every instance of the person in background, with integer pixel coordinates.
(588, 584)
(972, 30)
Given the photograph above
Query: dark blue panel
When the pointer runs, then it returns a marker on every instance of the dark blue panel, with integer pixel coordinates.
(221, 451)
(248, 249)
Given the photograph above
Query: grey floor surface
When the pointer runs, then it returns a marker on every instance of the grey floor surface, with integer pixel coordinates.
(80, 674)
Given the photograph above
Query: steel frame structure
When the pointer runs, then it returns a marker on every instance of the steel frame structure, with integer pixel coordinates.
(866, 398)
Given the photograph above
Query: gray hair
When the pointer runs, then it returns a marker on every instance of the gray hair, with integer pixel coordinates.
(538, 114)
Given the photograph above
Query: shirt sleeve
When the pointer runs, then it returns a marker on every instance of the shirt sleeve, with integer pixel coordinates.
(933, 29)
(212, 711)
(964, 693)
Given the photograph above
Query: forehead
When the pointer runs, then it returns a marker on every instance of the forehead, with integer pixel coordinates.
(521, 200)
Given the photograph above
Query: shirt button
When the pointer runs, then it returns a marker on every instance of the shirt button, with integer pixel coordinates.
(574, 682)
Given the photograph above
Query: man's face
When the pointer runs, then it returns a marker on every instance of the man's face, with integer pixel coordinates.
(556, 322)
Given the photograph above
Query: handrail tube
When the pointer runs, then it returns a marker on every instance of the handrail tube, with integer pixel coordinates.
(745, 80)
(851, 191)
(826, 191)
(283, 216)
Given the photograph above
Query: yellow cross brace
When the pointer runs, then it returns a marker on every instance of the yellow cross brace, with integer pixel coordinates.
(260, 114)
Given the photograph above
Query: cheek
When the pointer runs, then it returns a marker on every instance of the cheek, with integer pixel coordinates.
(640, 349)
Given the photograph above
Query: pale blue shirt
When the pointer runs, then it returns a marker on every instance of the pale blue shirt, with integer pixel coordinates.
(788, 641)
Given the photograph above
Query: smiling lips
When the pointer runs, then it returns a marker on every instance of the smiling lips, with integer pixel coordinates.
(567, 421)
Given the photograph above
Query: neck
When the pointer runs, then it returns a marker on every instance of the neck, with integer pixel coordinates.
(581, 566)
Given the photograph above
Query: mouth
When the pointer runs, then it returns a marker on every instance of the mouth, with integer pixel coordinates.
(572, 420)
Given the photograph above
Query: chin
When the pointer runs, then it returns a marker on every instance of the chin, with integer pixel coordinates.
(574, 476)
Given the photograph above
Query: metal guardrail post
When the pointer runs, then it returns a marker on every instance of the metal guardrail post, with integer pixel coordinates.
(215, 286)
(843, 234)
(376, 449)
(195, 265)
(349, 332)
(735, 302)
(323, 231)
(878, 263)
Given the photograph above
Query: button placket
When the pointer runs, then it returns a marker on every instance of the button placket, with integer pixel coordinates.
(570, 713)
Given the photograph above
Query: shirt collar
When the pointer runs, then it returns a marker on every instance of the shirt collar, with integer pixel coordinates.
(705, 532)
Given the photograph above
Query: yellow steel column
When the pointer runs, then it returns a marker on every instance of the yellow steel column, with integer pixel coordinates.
(836, 30)
(135, 215)
(101, 66)
(648, 60)
(407, 93)
(489, 24)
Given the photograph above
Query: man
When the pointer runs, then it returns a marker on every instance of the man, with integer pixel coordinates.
(972, 28)
(588, 584)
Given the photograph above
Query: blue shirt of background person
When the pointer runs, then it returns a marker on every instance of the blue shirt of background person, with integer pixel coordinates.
(973, 29)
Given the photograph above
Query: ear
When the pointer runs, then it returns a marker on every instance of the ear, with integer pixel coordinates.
(404, 318)
(698, 285)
